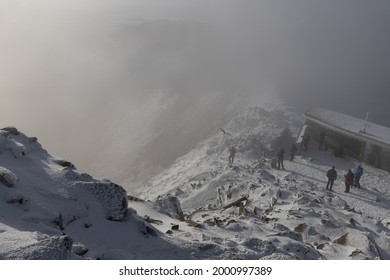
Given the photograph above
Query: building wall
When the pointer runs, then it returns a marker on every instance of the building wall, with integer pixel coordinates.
(371, 154)
(373, 149)
(334, 140)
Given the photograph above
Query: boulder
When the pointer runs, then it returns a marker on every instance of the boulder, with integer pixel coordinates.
(79, 249)
(37, 246)
(65, 163)
(112, 197)
(171, 205)
(261, 246)
(342, 240)
(11, 130)
(7, 178)
(301, 251)
(300, 228)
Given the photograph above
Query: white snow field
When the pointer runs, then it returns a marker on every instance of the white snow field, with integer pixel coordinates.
(199, 208)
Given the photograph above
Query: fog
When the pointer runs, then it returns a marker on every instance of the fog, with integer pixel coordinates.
(95, 80)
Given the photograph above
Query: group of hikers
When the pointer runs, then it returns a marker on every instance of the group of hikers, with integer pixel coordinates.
(351, 179)
(280, 154)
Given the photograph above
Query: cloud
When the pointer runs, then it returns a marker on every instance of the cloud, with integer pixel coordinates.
(71, 69)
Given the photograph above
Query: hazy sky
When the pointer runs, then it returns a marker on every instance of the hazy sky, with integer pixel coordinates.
(69, 69)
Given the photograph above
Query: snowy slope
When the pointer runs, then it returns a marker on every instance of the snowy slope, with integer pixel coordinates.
(49, 210)
(199, 208)
(144, 139)
(279, 214)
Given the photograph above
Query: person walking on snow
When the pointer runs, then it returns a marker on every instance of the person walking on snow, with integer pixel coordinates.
(332, 175)
(280, 158)
(348, 180)
(358, 172)
(232, 151)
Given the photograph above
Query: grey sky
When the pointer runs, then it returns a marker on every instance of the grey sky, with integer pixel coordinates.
(72, 70)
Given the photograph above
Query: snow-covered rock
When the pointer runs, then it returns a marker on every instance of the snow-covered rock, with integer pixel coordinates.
(7, 178)
(112, 197)
(19, 245)
(46, 205)
(171, 205)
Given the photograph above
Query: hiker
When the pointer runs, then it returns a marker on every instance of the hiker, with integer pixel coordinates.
(232, 154)
(358, 172)
(306, 140)
(348, 180)
(332, 175)
(322, 141)
(293, 150)
(280, 158)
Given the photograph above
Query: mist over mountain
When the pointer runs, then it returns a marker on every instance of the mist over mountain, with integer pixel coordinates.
(200, 208)
(148, 81)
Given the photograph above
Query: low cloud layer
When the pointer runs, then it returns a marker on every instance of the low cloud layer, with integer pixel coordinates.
(72, 71)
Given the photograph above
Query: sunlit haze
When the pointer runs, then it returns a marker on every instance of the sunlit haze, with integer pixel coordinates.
(96, 80)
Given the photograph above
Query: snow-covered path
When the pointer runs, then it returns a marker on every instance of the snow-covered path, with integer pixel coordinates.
(370, 199)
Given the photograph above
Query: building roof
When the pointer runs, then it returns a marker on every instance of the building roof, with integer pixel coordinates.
(350, 126)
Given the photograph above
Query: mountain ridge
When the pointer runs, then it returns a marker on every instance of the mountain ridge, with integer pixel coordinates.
(249, 201)
(200, 207)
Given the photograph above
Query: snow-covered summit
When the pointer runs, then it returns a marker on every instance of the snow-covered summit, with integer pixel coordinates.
(49, 210)
(199, 208)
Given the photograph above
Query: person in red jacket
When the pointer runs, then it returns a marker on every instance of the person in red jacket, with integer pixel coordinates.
(348, 180)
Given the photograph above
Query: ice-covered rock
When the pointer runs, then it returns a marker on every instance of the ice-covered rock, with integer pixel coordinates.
(34, 246)
(7, 177)
(261, 246)
(11, 130)
(171, 205)
(112, 197)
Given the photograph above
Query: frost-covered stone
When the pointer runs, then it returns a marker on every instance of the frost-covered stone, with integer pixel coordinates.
(301, 251)
(35, 246)
(278, 256)
(171, 205)
(65, 163)
(112, 196)
(386, 223)
(79, 249)
(7, 177)
(261, 246)
(11, 130)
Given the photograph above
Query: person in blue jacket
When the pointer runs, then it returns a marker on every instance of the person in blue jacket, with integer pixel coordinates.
(358, 172)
